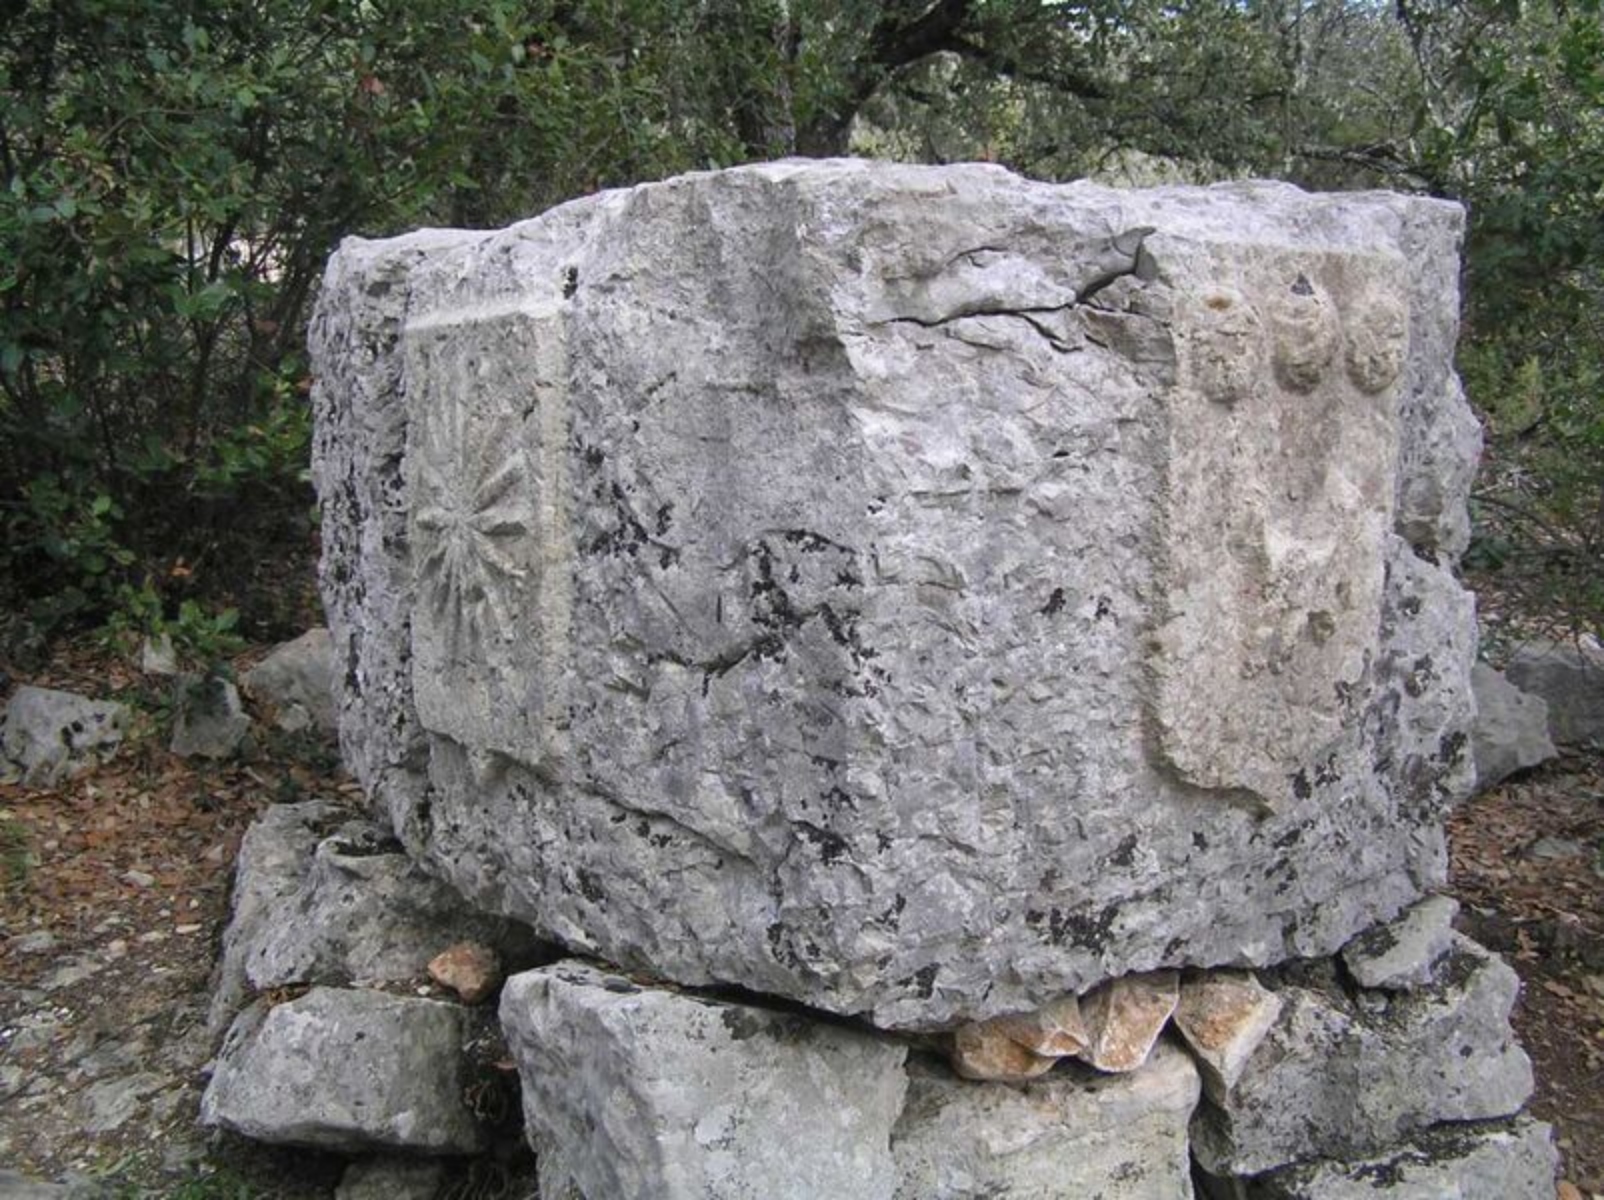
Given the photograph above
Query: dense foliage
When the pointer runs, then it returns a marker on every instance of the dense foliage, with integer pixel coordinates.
(173, 174)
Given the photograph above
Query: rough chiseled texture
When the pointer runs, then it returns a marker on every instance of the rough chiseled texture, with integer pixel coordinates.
(1342, 1077)
(1514, 1160)
(346, 1070)
(913, 591)
(1067, 1136)
(634, 1093)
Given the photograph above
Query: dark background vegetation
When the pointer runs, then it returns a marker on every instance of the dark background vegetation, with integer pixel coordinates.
(174, 174)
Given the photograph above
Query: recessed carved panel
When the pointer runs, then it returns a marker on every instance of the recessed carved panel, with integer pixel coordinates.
(1276, 512)
(479, 531)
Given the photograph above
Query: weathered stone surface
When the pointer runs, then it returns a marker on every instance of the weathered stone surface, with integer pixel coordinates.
(323, 900)
(987, 1050)
(1071, 1135)
(1513, 1160)
(211, 721)
(1124, 1018)
(471, 969)
(914, 591)
(47, 736)
(346, 1070)
(297, 679)
(1224, 1016)
(1511, 728)
(1336, 1079)
(1570, 678)
(637, 1093)
(1404, 952)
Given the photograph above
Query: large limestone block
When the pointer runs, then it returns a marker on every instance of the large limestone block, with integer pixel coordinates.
(346, 1070)
(1067, 1136)
(914, 591)
(1341, 1078)
(1513, 1160)
(635, 1093)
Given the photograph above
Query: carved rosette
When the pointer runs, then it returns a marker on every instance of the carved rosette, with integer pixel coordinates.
(472, 512)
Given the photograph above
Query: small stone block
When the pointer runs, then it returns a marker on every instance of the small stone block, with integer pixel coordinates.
(1055, 1030)
(985, 1050)
(1125, 1016)
(1403, 953)
(1224, 1017)
(470, 969)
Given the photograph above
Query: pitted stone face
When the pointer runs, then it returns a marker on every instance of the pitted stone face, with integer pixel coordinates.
(916, 592)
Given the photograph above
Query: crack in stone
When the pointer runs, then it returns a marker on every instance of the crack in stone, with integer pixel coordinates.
(1127, 245)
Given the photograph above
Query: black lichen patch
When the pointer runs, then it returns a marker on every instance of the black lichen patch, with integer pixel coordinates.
(590, 887)
(1125, 853)
(1055, 603)
(570, 282)
(1451, 749)
(780, 947)
(831, 846)
(1059, 928)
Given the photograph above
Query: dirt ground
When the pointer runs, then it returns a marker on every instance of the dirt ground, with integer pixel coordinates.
(114, 891)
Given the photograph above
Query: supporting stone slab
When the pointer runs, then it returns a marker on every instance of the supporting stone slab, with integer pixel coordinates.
(1067, 1136)
(1513, 1160)
(346, 1070)
(637, 1093)
(1342, 1077)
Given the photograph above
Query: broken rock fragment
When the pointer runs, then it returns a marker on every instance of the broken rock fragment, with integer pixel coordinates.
(1224, 1017)
(47, 735)
(471, 969)
(1054, 1030)
(1125, 1016)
